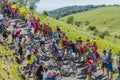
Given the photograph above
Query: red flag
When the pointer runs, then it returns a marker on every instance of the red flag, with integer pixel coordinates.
(17, 32)
(36, 28)
(32, 23)
(8, 24)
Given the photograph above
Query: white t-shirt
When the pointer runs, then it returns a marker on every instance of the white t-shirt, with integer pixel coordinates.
(45, 75)
(42, 38)
(104, 58)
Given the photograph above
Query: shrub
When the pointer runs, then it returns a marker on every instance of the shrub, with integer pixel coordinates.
(78, 23)
(45, 13)
(106, 33)
(103, 34)
(87, 23)
(91, 28)
(116, 36)
(96, 32)
(70, 20)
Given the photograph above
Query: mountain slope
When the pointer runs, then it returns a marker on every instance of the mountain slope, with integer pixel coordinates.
(9, 69)
(61, 12)
(106, 18)
(74, 32)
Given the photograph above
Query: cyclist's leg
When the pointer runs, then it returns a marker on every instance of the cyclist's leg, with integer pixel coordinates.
(89, 72)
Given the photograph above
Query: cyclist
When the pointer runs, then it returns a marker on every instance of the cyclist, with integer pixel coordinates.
(71, 54)
(91, 66)
(104, 60)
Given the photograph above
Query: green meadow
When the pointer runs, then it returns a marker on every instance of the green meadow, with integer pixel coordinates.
(106, 18)
(74, 32)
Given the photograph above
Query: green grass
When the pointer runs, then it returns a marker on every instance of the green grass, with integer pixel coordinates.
(75, 32)
(106, 18)
(8, 66)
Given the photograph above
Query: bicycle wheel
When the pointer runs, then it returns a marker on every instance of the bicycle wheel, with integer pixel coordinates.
(59, 76)
(66, 62)
(74, 68)
(66, 72)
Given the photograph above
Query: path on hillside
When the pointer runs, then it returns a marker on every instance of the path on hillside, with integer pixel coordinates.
(80, 68)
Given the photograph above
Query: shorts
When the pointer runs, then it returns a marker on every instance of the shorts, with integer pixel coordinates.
(109, 68)
(59, 59)
(119, 70)
(64, 43)
(91, 68)
(55, 50)
(104, 65)
(42, 42)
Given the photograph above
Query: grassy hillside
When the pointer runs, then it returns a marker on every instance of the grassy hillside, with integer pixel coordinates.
(9, 69)
(64, 11)
(75, 32)
(106, 18)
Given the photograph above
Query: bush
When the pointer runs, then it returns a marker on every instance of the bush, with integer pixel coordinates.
(91, 28)
(45, 13)
(96, 32)
(87, 23)
(78, 23)
(70, 20)
(116, 36)
(103, 34)
(57, 18)
(106, 33)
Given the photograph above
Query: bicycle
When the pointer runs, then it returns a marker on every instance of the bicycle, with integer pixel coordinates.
(58, 68)
(73, 67)
(89, 77)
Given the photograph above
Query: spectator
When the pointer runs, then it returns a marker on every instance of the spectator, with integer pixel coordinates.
(104, 61)
(109, 66)
(40, 71)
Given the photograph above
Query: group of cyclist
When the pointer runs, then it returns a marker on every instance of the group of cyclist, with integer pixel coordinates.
(34, 43)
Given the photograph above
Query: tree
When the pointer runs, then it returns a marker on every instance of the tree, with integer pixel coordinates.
(57, 18)
(45, 13)
(70, 20)
(31, 4)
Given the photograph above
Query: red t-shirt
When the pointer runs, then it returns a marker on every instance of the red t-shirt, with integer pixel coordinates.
(17, 32)
(32, 23)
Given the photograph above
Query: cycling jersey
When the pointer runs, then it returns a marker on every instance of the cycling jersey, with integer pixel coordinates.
(91, 65)
(71, 54)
